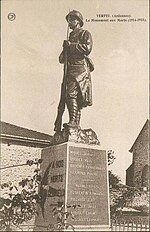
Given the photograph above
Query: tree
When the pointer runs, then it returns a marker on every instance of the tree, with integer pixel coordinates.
(110, 156)
(113, 179)
(121, 196)
(18, 203)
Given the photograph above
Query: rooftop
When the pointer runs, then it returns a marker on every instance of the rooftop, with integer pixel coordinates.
(14, 131)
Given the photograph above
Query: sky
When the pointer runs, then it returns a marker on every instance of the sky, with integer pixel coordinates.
(32, 75)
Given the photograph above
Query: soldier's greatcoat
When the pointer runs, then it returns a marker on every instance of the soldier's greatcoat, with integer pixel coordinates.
(78, 67)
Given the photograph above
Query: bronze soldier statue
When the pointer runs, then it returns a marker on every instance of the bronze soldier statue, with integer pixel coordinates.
(78, 88)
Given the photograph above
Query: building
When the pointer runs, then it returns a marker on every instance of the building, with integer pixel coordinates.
(137, 174)
(18, 145)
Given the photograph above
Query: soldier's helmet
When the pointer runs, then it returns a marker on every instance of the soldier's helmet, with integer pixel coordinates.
(76, 14)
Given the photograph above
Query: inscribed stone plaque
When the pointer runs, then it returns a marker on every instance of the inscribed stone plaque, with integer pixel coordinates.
(88, 186)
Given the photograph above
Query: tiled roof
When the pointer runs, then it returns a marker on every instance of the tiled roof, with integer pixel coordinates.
(8, 129)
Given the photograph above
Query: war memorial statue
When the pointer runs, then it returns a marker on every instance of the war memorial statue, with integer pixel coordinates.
(76, 90)
(74, 168)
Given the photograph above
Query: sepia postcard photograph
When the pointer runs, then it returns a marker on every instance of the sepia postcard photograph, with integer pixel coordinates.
(74, 115)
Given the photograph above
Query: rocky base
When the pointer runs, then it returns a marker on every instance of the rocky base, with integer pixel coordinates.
(75, 134)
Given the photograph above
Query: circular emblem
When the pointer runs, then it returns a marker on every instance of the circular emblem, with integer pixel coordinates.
(11, 16)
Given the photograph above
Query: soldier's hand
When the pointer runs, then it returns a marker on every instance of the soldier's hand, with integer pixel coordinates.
(66, 43)
(61, 58)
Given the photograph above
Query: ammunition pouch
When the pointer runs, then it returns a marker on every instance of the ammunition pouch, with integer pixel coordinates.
(90, 63)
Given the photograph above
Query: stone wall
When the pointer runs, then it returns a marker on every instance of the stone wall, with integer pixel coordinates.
(140, 155)
(129, 175)
(12, 155)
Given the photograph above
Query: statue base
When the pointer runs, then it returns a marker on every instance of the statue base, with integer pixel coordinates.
(75, 134)
(75, 176)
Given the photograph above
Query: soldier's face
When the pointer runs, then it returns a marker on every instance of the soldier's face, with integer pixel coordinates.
(73, 22)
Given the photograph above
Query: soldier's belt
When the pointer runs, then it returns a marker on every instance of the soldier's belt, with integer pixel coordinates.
(76, 61)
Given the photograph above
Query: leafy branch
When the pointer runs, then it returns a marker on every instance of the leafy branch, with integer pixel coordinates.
(18, 203)
(60, 211)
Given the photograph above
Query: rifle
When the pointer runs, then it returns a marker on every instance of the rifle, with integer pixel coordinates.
(61, 106)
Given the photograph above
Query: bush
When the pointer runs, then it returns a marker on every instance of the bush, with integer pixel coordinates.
(18, 203)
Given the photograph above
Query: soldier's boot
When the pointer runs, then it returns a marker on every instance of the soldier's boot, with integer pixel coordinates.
(78, 117)
(73, 111)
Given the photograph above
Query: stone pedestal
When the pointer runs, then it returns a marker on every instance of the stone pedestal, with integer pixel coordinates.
(75, 175)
